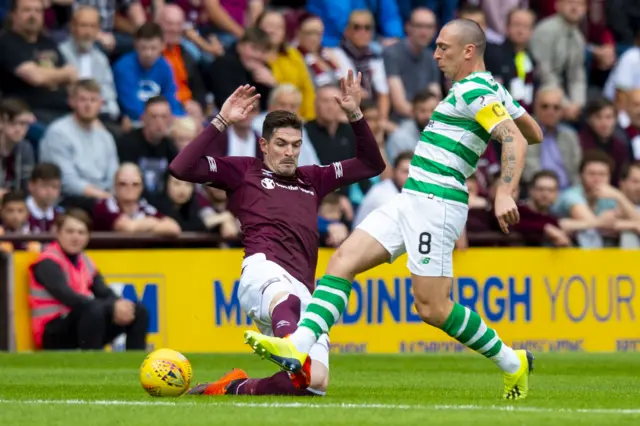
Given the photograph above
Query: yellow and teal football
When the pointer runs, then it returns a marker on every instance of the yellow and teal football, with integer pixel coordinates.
(165, 373)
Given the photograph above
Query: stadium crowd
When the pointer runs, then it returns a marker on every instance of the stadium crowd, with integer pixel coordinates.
(98, 97)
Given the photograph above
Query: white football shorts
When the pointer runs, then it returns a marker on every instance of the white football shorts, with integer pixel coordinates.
(425, 228)
(260, 282)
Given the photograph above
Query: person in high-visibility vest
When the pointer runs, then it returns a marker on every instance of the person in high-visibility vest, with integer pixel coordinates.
(71, 305)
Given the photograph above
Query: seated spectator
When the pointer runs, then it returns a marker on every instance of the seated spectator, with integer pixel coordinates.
(599, 132)
(288, 98)
(119, 20)
(31, 66)
(410, 66)
(560, 148)
(184, 29)
(384, 191)
(632, 128)
(144, 74)
(336, 14)
(286, 63)
(240, 140)
(407, 135)
(83, 149)
(497, 16)
(625, 77)
(71, 305)
(44, 190)
(480, 217)
(127, 211)
(81, 51)
(180, 203)
(601, 46)
(514, 59)
(559, 47)
(16, 155)
(623, 17)
(242, 63)
(321, 62)
(355, 54)
(183, 131)
(332, 231)
(537, 225)
(595, 204)
(150, 147)
(190, 87)
(630, 187)
(14, 214)
(216, 216)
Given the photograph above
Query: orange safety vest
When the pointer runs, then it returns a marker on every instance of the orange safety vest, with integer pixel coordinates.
(45, 307)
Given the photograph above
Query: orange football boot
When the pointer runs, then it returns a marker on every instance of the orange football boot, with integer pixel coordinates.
(219, 387)
(302, 379)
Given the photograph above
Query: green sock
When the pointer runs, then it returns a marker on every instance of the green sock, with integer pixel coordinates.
(467, 327)
(327, 305)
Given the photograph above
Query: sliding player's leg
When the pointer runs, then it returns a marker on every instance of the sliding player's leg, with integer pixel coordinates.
(430, 242)
(272, 298)
(376, 240)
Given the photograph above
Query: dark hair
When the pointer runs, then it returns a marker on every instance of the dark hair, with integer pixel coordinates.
(14, 197)
(88, 84)
(256, 36)
(469, 9)
(626, 169)
(280, 119)
(10, 108)
(541, 174)
(404, 155)
(596, 105)
(595, 156)
(149, 31)
(368, 104)
(423, 96)
(45, 171)
(158, 99)
(74, 213)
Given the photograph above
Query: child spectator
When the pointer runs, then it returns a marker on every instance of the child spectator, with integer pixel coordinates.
(16, 154)
(44, 187)
(14, 216)
(332, 231)
(179, 202)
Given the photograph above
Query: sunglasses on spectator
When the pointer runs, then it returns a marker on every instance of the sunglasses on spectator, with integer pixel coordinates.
(555, 107)
(359, 27)
(134, 184)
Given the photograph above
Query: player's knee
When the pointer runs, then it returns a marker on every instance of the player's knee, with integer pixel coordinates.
(433, 312)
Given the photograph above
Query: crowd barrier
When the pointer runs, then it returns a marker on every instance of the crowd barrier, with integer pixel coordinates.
(541, 299)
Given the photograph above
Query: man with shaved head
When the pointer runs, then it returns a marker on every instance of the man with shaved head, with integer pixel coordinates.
(426, 219)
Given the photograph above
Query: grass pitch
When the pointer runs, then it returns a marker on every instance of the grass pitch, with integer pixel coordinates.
(103, 389)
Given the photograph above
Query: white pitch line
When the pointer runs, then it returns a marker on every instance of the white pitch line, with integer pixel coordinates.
(506, 408)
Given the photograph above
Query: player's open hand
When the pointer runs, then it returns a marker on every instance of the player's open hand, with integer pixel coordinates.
(506, 211)
(239, 104)
(351, 94)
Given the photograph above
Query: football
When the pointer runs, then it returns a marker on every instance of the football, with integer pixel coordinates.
(165, 373)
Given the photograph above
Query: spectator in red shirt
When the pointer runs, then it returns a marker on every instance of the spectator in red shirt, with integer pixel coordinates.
(127, 212)
(537, 225)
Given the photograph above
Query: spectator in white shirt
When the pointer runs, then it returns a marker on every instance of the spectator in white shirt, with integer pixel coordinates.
(384, 191)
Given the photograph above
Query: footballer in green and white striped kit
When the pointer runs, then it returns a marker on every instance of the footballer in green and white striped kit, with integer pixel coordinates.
(426, 219)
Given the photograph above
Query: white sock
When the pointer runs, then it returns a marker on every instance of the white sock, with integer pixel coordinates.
(303, 338)
(507, 359)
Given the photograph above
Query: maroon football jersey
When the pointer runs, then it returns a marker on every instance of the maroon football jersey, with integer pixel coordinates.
(106, 212)
(278, 214)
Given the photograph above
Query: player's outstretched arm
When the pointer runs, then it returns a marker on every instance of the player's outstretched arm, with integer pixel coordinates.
(514, 149)
(368, 161)
(192, 163)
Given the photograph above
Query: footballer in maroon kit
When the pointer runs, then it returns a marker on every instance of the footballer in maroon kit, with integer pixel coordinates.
(277, 203)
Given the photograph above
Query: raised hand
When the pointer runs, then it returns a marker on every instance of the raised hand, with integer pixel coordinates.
(351, 96)
(239, 104)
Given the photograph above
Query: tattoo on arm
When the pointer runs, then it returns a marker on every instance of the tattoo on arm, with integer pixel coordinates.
(504, 134)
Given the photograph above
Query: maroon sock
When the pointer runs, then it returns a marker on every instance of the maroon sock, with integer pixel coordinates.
(285, 316)
(278, 384)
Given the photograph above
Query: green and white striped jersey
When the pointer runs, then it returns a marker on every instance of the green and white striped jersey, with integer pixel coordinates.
(457, 136)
